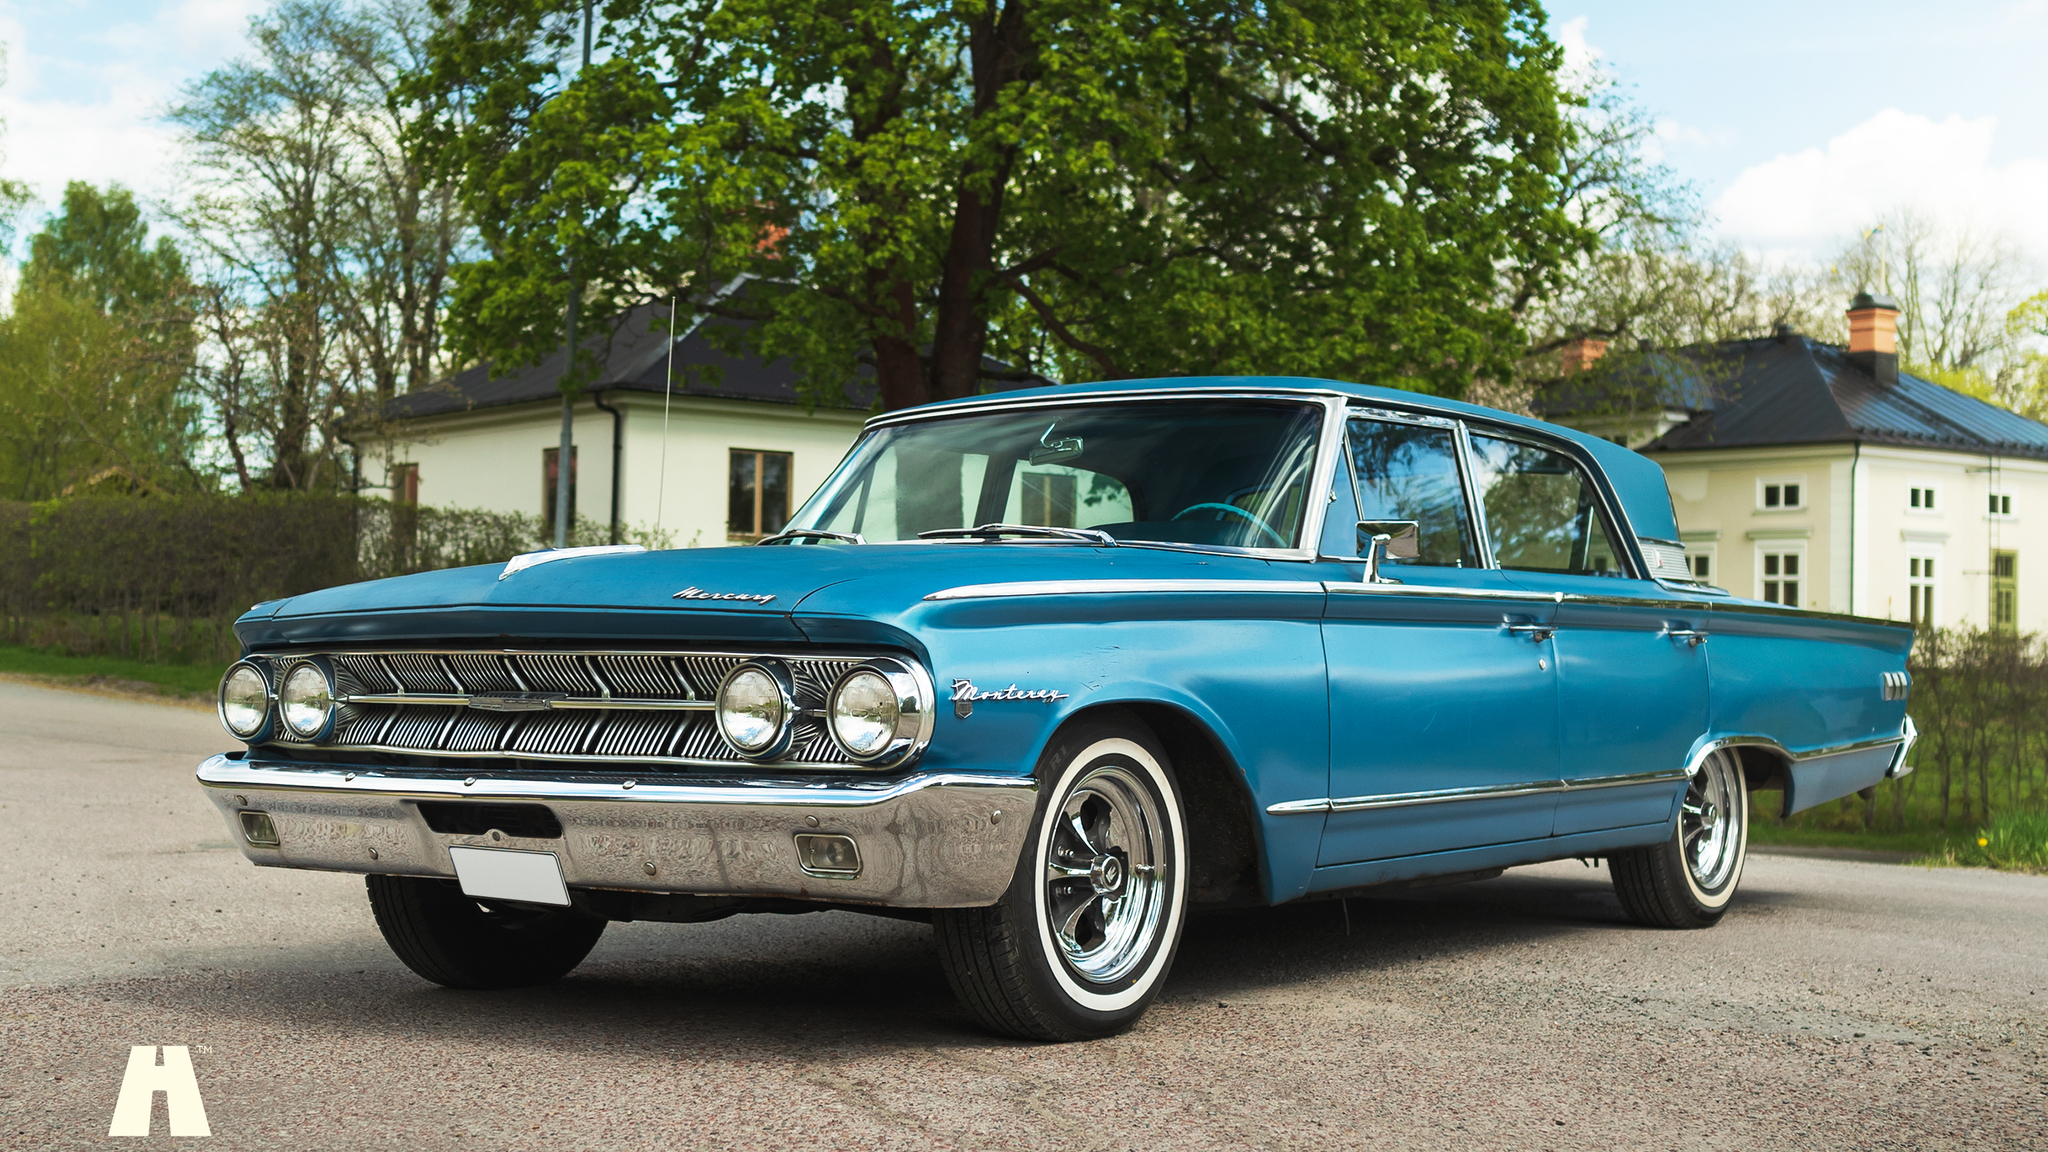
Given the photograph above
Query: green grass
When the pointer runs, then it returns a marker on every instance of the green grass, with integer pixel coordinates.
(172, 679)
(2012, 841)
(1761, 832)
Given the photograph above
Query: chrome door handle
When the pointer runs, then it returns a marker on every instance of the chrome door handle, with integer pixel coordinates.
(1692, 637)
(1537, 632)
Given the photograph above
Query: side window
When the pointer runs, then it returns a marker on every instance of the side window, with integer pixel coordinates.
(1410, 472)
(1540, 510)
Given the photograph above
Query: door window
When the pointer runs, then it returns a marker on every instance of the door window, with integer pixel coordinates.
(1410, 472)
(1541, 512)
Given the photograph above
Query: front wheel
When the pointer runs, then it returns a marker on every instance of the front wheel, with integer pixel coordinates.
(454, 941)
(1080, 944)
(1687, 881)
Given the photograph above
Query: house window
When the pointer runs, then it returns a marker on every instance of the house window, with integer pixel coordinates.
(405, 483)
(1699, 560)
(2001, 504)
(1780, 577)
(550, 465)
(1781, 493)
(2005, 591)
(1920, 591)
(1920, 498)
(757, 493)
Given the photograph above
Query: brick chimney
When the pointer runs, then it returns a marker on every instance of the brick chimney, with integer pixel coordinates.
(1581, 352)
(1874, 336)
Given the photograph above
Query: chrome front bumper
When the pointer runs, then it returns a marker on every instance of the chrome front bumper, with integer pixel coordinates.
(934, 840)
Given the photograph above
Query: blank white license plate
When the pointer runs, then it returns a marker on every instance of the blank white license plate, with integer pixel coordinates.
(502, 874)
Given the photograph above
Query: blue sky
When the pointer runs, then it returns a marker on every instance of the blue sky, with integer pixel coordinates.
(1798, 122)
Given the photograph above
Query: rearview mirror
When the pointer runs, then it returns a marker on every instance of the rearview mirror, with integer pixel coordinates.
(1404, 538)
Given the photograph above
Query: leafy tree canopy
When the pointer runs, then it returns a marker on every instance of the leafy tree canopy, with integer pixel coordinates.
(97, 249)
(1077, 188)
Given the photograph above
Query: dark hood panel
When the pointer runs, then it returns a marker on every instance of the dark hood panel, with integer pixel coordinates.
(629, 598)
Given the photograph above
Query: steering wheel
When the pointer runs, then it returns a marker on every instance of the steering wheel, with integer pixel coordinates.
(1279, 541)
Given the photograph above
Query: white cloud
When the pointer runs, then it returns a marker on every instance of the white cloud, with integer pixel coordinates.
(1580, 58)
(1807, 203)
(84, 100)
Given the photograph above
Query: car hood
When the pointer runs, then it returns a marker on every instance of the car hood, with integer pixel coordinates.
(698, 593)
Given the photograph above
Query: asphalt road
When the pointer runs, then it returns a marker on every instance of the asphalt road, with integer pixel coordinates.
(1839, 1005)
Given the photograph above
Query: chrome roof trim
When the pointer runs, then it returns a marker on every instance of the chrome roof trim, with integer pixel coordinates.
(1002, 403)
(1122, 588)
(220, 772)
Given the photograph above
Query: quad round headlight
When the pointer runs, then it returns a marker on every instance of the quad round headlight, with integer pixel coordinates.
(244, 700)
(306, 699)
(881, 712)
(757, 709)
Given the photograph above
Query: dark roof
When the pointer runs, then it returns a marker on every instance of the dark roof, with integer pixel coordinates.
(635, 352)
(1791, 390)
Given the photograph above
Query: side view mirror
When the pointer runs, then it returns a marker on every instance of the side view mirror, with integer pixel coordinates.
(1404, 538)
(1387, 540)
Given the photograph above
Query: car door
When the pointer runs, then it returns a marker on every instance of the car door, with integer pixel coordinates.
(1443, 707)
(1631, 658)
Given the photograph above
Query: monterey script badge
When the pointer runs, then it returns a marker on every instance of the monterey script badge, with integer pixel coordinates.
(965, 694)
(695, 593)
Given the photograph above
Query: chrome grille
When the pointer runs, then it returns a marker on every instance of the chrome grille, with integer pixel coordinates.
(618, 707)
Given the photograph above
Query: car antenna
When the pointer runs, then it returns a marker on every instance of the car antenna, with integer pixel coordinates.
(668, 386)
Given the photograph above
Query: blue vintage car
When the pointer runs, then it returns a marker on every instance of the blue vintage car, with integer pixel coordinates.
(1055, 669)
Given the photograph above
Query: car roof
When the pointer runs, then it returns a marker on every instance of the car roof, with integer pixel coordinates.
(1637, 481)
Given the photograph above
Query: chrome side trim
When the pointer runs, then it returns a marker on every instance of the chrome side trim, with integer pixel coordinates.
(1121, 588)
(1350, 588)
(1492, 791)
(1484, 792)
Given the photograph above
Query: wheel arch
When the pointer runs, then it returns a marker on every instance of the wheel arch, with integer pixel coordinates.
(1226, 857)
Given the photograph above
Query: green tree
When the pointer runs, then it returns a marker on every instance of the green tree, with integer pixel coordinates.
(95, 355)
(1076, 187)
(326, 246)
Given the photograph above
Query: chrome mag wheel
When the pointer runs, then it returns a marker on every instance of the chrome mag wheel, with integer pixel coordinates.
(1104, 875)
(1084, 937)
(1711, 818)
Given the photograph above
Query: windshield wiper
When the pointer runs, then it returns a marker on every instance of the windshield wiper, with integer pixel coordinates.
(811, 534)
(992, 531)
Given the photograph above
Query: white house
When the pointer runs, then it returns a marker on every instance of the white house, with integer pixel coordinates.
(736, 453)
(1822, 476)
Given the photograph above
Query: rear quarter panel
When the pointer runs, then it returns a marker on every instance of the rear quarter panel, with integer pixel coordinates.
(1810, 683)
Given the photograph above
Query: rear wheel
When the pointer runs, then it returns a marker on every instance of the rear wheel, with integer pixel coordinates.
(1687, 881)
(1083, 939)
(454, 941)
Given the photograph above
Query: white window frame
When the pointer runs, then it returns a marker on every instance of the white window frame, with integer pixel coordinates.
(1940, 504)
(2005, 511)
(1706, 551)
(1784, 548)
(1929, 559)
(1779, 482)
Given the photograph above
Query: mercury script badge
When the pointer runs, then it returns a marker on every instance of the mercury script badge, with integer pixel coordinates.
(695, 593)
(965, 694)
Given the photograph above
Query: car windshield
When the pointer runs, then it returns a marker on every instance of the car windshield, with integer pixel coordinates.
(1223, 473)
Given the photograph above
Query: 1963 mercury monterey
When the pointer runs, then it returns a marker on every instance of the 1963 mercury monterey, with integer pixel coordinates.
(1054, 669)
